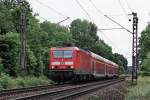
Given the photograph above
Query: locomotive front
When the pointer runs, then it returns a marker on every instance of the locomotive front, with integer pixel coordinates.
(61, 63)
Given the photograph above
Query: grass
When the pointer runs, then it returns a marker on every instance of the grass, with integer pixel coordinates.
(7, 82)
(141, 91)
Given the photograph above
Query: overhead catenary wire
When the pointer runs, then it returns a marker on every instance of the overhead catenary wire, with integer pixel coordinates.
(100, 30)
(116, 14)
(123, 9)
(110, 29)
(51, 8)
(63, 20)
(106, 16)
(47, 6)
(128, 5)
(84, 10)
(96, 7)
(112, 42)
(42, 18)
(118, 24)
(56, 22)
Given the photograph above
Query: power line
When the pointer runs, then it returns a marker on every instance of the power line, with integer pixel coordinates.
(100, 30)
(66, 17)
(59, 13)
(106, 16)
(126, 14)
(118, 24)
(84, 10)
(112, 43)
(122, 27)
(42, 18)
(128, 5)
(57, 22)
(106, 29)
(110, 28)
(115, 14)
(63, 20)
(96, 7)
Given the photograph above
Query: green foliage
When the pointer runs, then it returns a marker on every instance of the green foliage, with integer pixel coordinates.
(145, 51)
(5, 19)
(141, 91)
(1, 66)
(31, 62)
(145, 66)
(121, 61)
(144, 43)
(8, 52)
(57, 35)
(7, 82)
(84, 33)
(101, 48)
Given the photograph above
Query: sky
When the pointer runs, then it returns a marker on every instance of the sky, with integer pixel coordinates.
(119, 39)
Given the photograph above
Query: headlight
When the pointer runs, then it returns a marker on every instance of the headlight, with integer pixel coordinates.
(53, 67)
(72, 67)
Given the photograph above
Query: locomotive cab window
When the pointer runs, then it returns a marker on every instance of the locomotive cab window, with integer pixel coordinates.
(57, 54)
(62, 53)
(68, 53)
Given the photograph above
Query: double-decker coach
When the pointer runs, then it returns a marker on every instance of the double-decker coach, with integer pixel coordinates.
(72, 63)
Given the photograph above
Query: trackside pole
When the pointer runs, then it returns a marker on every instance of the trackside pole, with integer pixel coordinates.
(135, 49)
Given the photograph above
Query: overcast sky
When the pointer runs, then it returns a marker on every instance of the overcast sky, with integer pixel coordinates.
(120, 40)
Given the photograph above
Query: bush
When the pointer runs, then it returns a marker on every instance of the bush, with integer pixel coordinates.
(144, 73)
(141, 91)
(7, 82)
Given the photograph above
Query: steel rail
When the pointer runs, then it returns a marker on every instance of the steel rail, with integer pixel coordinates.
(86, 91)
(8, 93)
(63, 93)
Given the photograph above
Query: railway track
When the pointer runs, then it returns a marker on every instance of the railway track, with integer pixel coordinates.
(14, 93)
(68, 92)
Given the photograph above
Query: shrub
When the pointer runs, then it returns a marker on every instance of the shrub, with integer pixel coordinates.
(7, 82)
(140, 91)
(144, 73)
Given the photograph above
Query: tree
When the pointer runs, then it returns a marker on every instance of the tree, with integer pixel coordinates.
(84, 33)
(145, 66)
(144, 43)
(121, 61)
(8, 53)
(101, 48)
(144, 51)
(7, 24)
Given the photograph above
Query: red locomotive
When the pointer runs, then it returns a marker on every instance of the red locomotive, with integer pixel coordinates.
(72, 63)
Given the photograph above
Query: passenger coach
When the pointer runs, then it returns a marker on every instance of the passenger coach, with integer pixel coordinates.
(72, 63)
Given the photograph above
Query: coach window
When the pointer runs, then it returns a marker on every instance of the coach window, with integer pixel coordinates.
(68, 54)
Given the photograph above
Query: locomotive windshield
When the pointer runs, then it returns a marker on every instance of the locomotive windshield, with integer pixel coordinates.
(62, 54)
(57, 54)
(68, 54)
